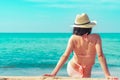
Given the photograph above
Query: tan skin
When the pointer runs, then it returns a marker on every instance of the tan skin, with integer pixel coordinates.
(84, 47)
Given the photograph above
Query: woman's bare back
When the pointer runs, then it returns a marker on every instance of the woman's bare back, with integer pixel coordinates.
(84, 52)
(84, 49)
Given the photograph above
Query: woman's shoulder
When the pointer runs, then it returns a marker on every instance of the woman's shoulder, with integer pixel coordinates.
(95, 35)
(72, 37)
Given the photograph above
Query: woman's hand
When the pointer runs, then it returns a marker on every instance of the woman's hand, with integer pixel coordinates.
(112, 78)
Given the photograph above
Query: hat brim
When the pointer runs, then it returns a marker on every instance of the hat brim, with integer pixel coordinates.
(89, 25)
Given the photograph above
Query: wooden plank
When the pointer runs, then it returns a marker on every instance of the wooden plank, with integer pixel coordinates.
(45, 78)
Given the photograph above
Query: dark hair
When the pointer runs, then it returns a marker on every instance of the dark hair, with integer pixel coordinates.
(81, 31)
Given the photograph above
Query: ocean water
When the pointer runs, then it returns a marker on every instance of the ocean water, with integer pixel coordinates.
(34, 54)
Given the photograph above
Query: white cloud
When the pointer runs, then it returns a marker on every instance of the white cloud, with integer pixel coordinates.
(102, 4)
(60, 6)
(111, 1)
(63, 1)
(77, 1)
(46, 1)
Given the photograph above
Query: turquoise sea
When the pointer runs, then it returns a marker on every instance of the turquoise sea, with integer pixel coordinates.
(34, 54)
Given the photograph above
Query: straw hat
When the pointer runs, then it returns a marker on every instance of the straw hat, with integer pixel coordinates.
(83, 21)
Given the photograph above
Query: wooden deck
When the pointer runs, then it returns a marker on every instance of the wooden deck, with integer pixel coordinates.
(45, 78)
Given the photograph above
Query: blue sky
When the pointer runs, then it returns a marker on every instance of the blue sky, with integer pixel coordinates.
(57, 15)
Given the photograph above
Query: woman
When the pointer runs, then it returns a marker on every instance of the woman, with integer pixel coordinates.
(85, 47)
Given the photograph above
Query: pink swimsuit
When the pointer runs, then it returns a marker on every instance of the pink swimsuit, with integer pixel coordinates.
(74, 73)
(81, 70)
